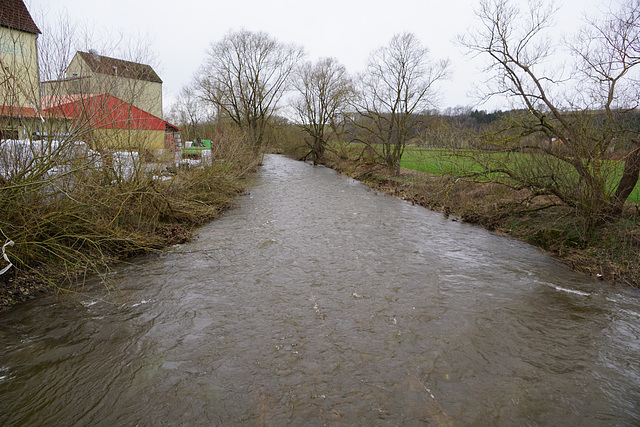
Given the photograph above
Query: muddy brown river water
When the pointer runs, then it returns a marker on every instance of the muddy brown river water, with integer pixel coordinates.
(319, 302)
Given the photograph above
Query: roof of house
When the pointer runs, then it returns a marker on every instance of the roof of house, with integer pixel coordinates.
(14, 14)
(18, 112)
(111, 66)
(101, 111)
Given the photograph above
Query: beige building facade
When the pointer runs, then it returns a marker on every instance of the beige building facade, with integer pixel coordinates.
(19, 79)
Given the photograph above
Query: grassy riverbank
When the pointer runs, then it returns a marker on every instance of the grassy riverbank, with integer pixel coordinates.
(69, 227)
(610, 252)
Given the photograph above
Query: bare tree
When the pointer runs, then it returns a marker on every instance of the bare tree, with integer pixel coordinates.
(324, 88)
(56, 45)
(609, 60)
(246, 74)
(576, 113)
(397, 87)
(189, 112)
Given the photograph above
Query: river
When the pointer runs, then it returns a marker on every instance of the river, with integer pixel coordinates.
(318, 301)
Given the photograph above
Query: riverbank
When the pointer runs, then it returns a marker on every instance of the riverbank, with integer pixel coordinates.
(69, 235)
(610, 253)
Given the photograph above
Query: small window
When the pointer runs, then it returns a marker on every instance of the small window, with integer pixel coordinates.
(8, 134)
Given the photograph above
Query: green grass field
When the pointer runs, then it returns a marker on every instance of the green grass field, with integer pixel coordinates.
(442, 161)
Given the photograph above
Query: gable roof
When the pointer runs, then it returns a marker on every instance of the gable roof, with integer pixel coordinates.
(105, 65)
(14, 14)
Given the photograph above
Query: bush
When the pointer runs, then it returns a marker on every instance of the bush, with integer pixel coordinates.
(70, 218)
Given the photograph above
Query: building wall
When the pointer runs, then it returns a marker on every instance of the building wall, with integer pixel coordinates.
(127, 140)
(143, 94)
(19, 81)
(106, 139)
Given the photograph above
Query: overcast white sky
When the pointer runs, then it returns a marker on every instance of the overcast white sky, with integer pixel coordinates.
(180, 31)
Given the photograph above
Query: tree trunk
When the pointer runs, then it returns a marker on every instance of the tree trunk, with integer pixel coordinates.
(318, 149)
(628, 181)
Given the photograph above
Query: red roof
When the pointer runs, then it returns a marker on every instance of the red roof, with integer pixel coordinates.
(172, 128)
(101, 111)
(14, 14)
(8, 111)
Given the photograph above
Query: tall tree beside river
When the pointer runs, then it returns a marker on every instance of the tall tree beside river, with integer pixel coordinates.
(397, 87)
(323, 90)
(572, 117)
(245, 75)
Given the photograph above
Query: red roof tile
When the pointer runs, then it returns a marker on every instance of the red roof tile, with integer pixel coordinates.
(8, 111)
(14, 14)
(101, 111)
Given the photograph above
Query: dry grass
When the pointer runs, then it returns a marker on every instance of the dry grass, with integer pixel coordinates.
(67, 227)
